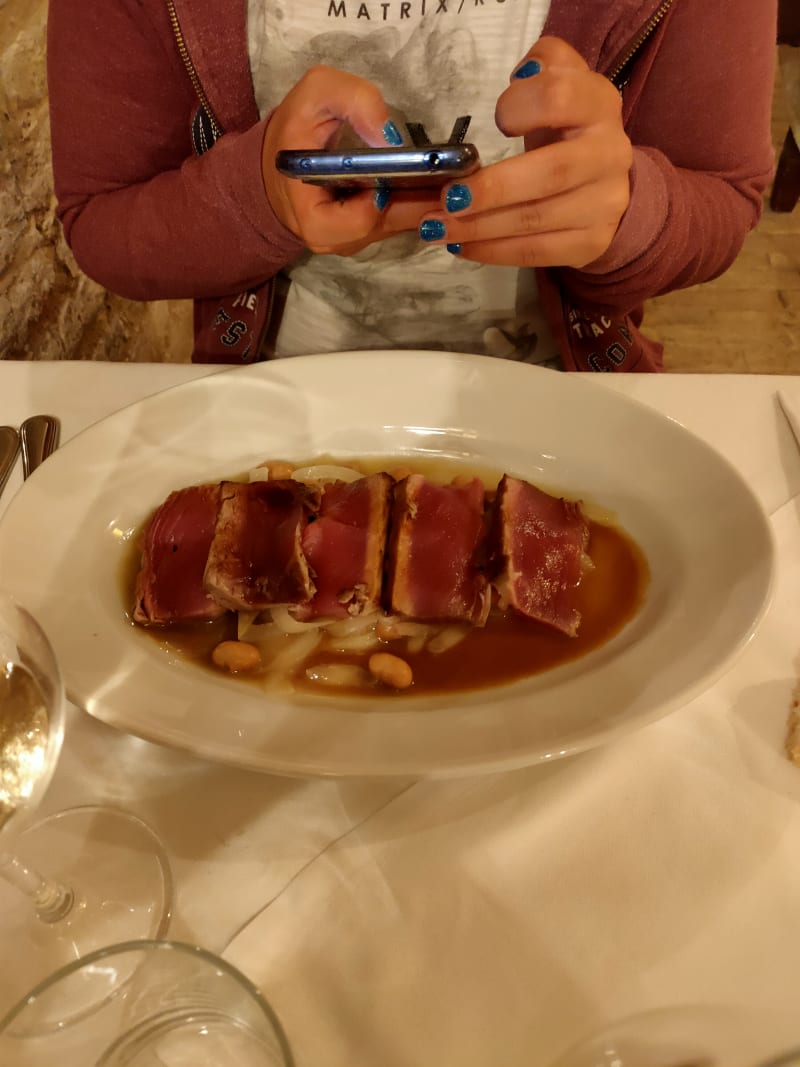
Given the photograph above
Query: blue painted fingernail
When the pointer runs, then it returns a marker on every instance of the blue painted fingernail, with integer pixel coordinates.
(455, 248)
(458, 197)
(432, 230)
(382, 195)
(391, 134)
(528, 69)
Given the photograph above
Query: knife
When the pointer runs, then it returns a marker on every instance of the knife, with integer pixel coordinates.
(9, 447)
(39, 437)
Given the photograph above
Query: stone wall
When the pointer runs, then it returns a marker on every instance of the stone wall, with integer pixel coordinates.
(48, 308)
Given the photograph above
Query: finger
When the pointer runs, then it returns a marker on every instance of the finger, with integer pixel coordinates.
(323, 223)
(557, 100)
(576, 209)
(565, 248)
(552, 53)
(405, 211)
(336, 226)
(538, 175)
(324, 98)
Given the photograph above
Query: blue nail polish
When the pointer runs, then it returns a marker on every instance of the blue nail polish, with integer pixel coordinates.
(432, 230)
(455, 248)
(382, 195)
(458, 197)
(528, 69)
(391, 134)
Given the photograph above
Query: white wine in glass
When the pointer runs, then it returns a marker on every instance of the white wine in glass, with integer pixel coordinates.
(80, 878)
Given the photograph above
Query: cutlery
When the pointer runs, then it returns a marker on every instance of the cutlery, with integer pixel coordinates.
(39, 436)
(9, 447)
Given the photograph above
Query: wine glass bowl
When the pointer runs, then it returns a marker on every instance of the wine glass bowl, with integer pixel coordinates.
(31, 714)
(685, 1035)
(78, 878)
(142, 1004)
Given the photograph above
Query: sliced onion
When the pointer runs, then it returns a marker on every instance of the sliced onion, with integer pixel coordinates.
(338, 674)
(326, 472)
(356, 642)
(417, 643)
(447, 638)
(258, 474)
(286, 622)
(296, 650)
(390, 627)
(353, 624)
(264, 631)
(244, 620)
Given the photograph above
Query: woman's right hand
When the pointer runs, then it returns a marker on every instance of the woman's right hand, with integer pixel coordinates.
(308, 117)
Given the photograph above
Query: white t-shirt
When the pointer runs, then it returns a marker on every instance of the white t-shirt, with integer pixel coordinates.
(433, 61)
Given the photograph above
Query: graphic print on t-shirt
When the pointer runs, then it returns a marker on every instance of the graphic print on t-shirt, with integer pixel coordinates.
(433, 60)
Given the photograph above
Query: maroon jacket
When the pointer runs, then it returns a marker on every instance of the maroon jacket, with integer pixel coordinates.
(149, 219)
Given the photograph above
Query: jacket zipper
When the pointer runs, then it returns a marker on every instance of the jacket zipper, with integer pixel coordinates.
(187, 62)
(619, 70)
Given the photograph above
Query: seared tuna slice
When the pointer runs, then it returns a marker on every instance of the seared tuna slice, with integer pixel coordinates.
(175, 544)
(435, 552)
(256, 558)
(345, 546)
(538, 545)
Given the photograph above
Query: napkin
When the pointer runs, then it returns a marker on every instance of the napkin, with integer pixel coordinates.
(496, 920)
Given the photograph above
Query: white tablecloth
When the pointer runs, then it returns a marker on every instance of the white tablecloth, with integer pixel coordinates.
(491, 921)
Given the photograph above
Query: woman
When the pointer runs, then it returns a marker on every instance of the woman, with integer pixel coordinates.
(625, 148)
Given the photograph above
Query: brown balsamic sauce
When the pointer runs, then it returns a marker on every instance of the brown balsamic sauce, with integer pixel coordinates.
(508, 648)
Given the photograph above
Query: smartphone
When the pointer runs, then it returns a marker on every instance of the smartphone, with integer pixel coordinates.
(419, 166)
(412, 167)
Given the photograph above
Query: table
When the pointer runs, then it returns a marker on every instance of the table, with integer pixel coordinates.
(493, 920)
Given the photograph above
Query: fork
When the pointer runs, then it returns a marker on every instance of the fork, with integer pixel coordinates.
(9, 447)
(39, 436)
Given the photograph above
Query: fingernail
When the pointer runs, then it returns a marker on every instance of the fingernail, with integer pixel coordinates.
(382, 195)
(454, 248)
(391, 134)
(458, 197)
(432, 230)
(528, 69)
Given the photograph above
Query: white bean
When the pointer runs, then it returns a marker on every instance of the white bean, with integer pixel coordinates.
(236, 656)
(390, 670)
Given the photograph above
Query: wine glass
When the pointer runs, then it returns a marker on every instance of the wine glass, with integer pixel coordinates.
(700, 1035)
(77, 879)
(144, 1004)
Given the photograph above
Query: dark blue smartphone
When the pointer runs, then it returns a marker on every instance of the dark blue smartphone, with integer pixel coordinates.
(415, 167)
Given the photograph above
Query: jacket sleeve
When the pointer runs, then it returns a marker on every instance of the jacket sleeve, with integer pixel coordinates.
(700, 127)
(143, 215)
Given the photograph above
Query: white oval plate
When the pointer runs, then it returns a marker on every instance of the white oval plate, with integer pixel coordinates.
(709, 546)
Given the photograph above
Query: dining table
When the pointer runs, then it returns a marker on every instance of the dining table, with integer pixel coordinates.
(492, 920)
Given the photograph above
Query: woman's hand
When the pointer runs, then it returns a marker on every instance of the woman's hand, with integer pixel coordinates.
(308, 117)
(561, 201)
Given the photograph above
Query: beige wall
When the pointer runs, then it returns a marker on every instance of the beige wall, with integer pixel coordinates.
(48, 309)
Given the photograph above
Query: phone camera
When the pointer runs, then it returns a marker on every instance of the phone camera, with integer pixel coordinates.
(433, 160)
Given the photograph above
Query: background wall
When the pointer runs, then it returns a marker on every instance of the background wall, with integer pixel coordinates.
(48, 309)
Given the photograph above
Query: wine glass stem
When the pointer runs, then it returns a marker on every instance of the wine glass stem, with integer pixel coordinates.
(52, 899)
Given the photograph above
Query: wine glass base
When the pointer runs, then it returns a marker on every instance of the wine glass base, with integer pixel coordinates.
(119, 874)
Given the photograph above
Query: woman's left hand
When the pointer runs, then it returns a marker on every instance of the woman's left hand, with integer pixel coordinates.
(560, 202)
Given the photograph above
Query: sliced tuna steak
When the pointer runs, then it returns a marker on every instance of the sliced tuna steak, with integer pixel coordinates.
(345, 547)
(538, 545)
(175, 544)
(256, 558)
(435, 552)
